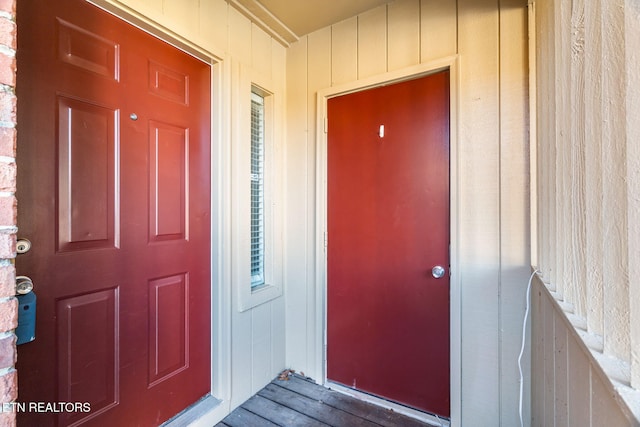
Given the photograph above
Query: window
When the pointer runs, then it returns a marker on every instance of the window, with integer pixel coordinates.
(257, 193)
(257, 190)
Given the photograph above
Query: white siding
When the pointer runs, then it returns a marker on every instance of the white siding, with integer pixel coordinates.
(492, 165)
(587, 193)
(570, 387)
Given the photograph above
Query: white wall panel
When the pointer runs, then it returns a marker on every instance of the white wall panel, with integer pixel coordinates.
(514, 202)
(403, 34)
(479, 201)
(615, 261)
(240, 44)
(297, 205)
(183, 14)
(261, 53)
(372, 41)
(594, 246)
(577, 213)
(439, 29)
(213, 16)
(344, 51)
(632, 37)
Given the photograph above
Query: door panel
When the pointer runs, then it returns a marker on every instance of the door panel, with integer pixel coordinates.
(114, 192)
(87, 148)
(388, 225)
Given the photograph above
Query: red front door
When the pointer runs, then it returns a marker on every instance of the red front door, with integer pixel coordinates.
(114, 194)
(388, 226)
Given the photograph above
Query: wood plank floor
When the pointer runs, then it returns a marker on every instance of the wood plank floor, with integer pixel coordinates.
(300, 402)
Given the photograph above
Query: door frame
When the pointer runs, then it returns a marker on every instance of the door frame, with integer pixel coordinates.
(216, 404)
(318, 329)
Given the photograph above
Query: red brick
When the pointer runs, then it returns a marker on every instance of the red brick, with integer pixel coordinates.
(7, 281)
(8, 316)
(7, 69)
(9, 386)
(7, 246)
(8, 33)
(8, 354)
(8, 138)
(8, 107)
(8, 212)
(8, 6)
(8, 419)
(8, 177)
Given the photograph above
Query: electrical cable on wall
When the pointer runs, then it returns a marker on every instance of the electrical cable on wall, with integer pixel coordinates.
(524, 336)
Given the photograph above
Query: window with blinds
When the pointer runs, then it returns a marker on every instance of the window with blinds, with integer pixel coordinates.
(257, 190)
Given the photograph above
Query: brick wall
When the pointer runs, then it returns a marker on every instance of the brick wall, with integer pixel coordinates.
(8, 303)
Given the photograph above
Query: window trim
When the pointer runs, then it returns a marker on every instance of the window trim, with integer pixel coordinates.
(251, 296)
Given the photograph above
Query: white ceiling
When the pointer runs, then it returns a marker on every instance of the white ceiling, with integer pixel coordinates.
(292, 19)
(306, 16)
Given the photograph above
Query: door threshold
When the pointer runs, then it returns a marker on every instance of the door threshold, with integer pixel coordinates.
(426, 417)
(205, 412)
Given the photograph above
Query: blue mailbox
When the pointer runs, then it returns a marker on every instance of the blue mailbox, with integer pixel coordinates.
(26, 330)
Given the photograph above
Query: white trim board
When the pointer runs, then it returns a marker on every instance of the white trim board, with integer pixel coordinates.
(318, 329)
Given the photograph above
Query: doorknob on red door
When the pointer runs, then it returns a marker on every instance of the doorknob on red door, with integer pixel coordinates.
(24, 285)
(438, 271)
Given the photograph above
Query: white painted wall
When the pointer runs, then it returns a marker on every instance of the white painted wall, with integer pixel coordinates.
(588, 77)
(248, 346)
(492, 199)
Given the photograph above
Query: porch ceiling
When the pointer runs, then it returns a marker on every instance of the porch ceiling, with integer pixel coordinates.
(289, 20)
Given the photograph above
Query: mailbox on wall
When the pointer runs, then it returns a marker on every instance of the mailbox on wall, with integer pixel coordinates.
(26, 330)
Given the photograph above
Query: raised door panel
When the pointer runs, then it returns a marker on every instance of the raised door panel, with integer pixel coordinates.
(87, 157)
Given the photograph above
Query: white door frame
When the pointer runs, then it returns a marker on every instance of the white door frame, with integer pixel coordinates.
(319, 327)
(216, 405)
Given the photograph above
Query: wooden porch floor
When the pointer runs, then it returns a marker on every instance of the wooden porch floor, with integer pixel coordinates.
(300, 402)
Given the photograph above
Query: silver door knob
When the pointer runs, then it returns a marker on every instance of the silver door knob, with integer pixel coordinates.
(438, 271)
(24, 285)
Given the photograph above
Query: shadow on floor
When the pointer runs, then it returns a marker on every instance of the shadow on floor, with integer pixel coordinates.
(298, 401)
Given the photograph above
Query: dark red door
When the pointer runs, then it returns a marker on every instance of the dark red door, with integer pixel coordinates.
(388, 226)
(114, 194)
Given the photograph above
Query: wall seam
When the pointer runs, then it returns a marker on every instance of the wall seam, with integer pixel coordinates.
(499, 162)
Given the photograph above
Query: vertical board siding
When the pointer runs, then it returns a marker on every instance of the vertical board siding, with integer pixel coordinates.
(403, 33)
(371, 41)
(632, 37)
(575, 390)
(594, 246)
(514, 202)
(479, 191)
(577, 275)
(344, 51)
(439, 29)
(588, 211)
(297, 201)
(563, 146)
(546, 131)
(493, 166)
(319, 75)
(616, 299)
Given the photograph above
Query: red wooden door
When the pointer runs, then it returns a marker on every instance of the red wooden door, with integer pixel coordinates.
(114, 194)
(388, 226)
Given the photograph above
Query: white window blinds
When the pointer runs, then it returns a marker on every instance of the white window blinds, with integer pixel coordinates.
(257, 190)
